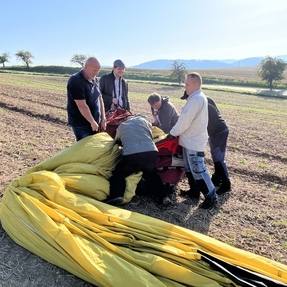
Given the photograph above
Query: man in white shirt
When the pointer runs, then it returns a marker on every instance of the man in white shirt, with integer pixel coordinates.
(191, 128)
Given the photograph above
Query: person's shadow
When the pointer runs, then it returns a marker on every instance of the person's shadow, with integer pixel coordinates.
(195, 218)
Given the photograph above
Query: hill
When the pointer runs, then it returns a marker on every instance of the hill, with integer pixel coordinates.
(165, 64)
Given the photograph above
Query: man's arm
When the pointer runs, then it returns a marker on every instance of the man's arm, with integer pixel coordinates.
(167, 119)
(106, 93)
(102, 84)
(155, 120)
(86, 113)
(117, 139)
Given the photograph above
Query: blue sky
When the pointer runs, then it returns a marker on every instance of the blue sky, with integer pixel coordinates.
(138, 31)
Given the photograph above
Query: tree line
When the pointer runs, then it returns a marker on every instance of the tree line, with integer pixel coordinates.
(22, 55)
(270, 69)
(26, 58)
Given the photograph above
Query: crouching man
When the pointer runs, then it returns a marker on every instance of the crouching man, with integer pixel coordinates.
(139, 154)
(164, 113)
(191, 128)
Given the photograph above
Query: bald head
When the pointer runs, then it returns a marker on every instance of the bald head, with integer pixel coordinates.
(91, 68)
(92, 61)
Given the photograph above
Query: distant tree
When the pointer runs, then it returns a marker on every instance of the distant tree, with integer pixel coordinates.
(178, 71)
(25, 56)
(271, 69)
(79, 59)
(4, 58)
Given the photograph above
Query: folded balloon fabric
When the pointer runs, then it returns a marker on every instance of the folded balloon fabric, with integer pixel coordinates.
(56, 211)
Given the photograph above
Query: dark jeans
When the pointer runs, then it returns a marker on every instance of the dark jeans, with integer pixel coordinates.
(129, 164)
(82, 132)
(217, 145)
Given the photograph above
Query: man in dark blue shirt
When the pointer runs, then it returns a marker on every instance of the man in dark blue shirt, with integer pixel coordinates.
(85, 106)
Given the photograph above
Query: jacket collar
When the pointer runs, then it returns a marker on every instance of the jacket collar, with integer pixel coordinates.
(194, 94)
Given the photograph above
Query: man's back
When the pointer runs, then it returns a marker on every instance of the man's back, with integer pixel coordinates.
(136, 136)
(216, 123)
(192, 123)
(168, 115)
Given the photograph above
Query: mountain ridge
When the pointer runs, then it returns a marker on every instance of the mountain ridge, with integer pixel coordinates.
(166, 64)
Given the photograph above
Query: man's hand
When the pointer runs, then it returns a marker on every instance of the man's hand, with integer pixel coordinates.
(94, 126)
(155, 121)
(115, 101)
(103, 124)
(113, 107)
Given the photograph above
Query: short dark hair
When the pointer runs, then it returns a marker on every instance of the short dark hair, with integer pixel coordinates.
(119, 64)
(154, 98)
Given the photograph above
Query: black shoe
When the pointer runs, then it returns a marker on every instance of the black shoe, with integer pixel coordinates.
(194, 191)
(224, 187)
(194, 194)
(191, 193)
(221, 173)
(166, 201)
(209, 202)
(217, 176)
(215, 179)
(119, 200)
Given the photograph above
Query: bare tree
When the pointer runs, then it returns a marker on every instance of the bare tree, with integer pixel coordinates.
(4, 58)
(25, 56)
(178, 71)
(79, 59)
(271, 69)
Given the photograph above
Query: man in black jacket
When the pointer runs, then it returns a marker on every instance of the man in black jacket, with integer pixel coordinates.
(114, 88)
(164, 113)
(218, 134)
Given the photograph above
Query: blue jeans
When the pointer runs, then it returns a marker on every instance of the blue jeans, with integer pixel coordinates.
(194, 162)
(82, 132)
